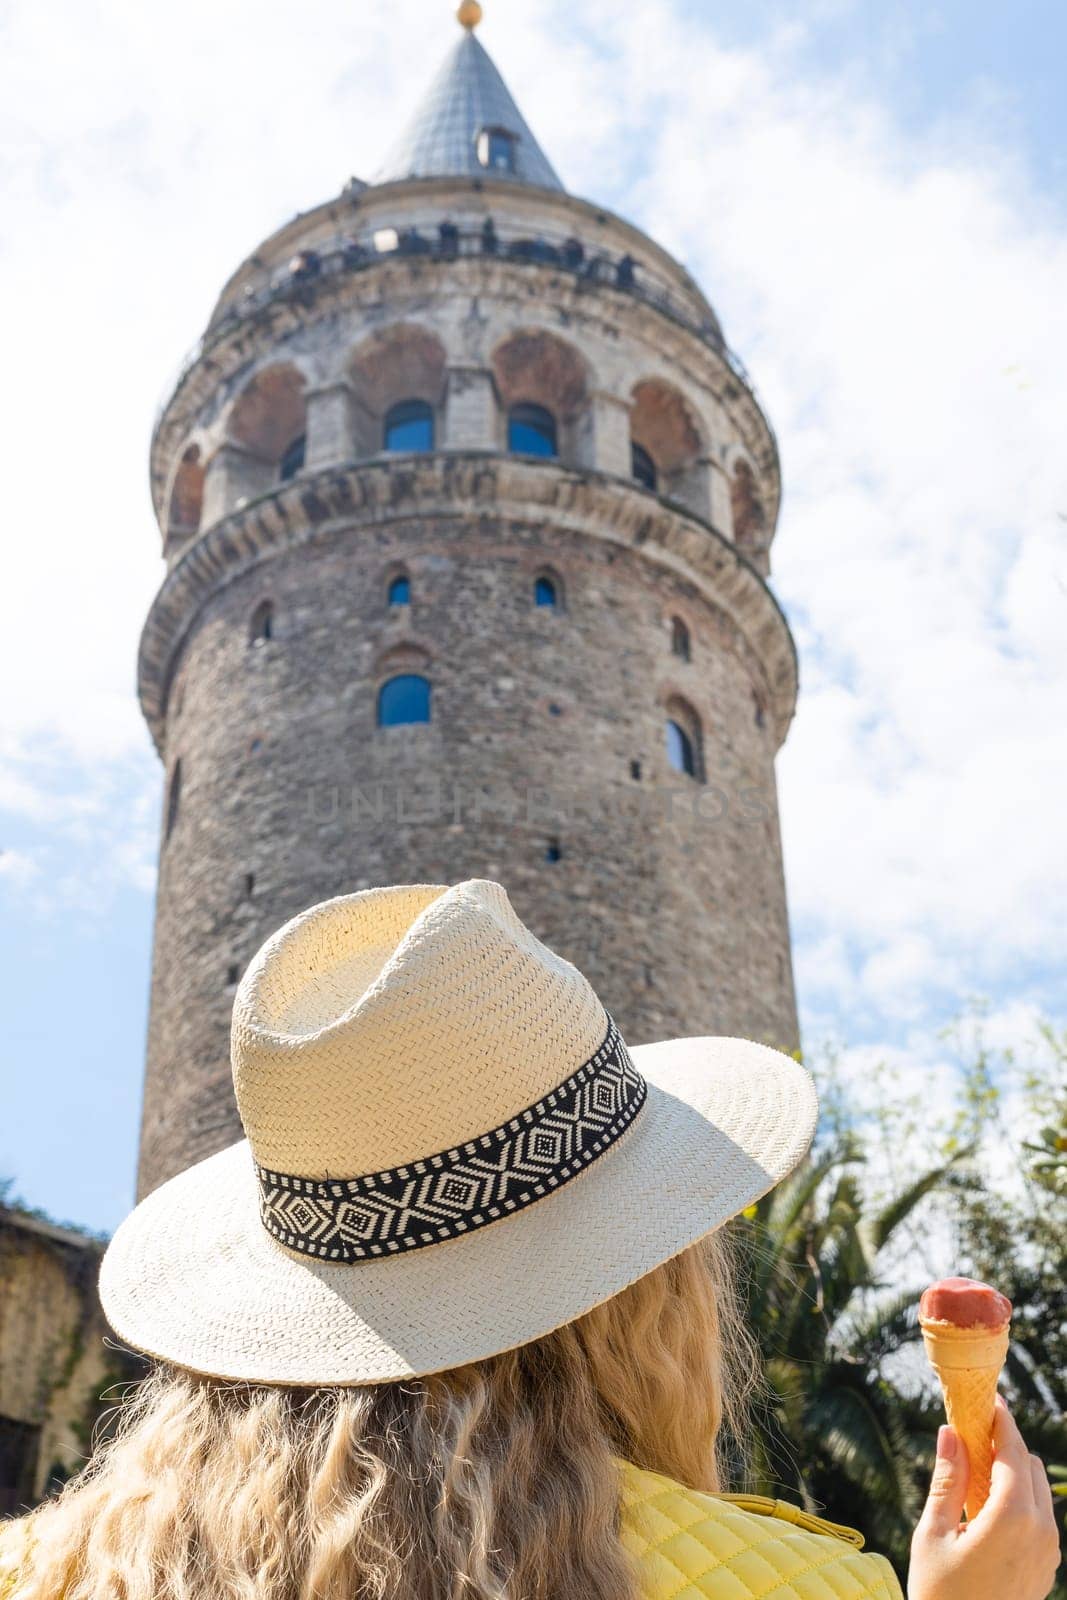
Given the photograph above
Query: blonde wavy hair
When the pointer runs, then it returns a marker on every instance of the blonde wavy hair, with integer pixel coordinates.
(493, 1481)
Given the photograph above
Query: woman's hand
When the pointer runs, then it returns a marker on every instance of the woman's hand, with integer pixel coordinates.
(1011, 1548)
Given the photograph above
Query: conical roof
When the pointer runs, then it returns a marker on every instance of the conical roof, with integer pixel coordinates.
(466, 100)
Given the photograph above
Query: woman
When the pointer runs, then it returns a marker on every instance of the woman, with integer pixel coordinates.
(454, 1322)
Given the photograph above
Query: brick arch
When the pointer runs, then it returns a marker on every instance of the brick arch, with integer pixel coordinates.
(407, 656)
(532, 366)
(667, 427)
(185, 503)
(404, 361)
(270, 413)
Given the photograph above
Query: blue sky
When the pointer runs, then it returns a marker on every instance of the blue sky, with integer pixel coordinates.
(873, 198)
(932, 63)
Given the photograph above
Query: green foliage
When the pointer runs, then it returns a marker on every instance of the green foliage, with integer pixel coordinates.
(835, 1262)
(833, 1430)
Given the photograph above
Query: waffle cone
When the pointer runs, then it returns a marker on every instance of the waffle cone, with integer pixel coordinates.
(968, 1362)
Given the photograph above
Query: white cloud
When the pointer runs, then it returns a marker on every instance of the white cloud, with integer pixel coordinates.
(17, 868)
(900, 306)
(898, 300)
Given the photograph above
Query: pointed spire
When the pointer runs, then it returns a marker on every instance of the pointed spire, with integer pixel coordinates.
(467, 124)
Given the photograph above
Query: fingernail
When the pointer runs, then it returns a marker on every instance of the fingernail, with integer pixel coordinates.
(946, 1444)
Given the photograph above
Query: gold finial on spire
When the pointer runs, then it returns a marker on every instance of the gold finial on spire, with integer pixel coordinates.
(469, 14)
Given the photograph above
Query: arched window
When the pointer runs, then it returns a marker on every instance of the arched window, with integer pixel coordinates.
(532, 431)
(400, 590)
(668, 449)
(174, 798)
(261, 628)
(680, 645)
(685, 742)
(409, 426)
(405, 698)
(553, 850)
(643, 467)
(187, 495)
(292, 460)
(680, 752)
(269, 419)
(546, 592)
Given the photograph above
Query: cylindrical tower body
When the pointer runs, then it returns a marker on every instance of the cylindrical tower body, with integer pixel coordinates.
(364, 523)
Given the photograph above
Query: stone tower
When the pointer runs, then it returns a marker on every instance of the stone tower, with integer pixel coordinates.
(466, 510)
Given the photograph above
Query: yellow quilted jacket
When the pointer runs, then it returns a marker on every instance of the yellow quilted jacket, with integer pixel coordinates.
(692, 1546)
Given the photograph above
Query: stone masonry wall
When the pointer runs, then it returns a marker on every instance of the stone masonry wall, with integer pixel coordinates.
(54, 1365)
(668, 893)
(668, 890)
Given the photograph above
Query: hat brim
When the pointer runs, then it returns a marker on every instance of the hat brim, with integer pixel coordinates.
(193, 1276)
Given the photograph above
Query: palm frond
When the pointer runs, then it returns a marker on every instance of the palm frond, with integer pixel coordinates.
(880, 1229)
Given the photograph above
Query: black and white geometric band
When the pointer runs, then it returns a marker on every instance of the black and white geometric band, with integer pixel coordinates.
(442, 1196)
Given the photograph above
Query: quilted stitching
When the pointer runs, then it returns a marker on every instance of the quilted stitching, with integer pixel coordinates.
(692, 1546)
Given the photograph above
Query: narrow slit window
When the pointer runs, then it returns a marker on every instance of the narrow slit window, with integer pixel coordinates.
(174, 798)
(261, 627)
(680, 751)
(680, 641)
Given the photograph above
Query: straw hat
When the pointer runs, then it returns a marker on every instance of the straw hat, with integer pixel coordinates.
(450, 1151)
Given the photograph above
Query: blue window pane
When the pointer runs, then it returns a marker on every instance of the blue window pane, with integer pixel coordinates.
(400, 592)
(545, 592)
(643, 466)
(532, 431)
(293, 460)
(502, 151)
(680, 749)
(409, 426)
(404, 699)
(496, 148)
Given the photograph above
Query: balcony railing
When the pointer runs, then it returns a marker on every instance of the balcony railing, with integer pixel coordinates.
(303, 277)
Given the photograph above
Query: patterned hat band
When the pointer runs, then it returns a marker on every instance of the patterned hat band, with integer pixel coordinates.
(444, 1195)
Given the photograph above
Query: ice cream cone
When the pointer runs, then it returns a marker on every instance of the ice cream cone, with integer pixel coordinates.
(968, 1362)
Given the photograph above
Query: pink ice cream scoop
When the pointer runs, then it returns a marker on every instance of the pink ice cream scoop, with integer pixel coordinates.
(965, 1303)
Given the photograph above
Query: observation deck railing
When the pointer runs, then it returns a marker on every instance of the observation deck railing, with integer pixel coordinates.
(300, 280)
